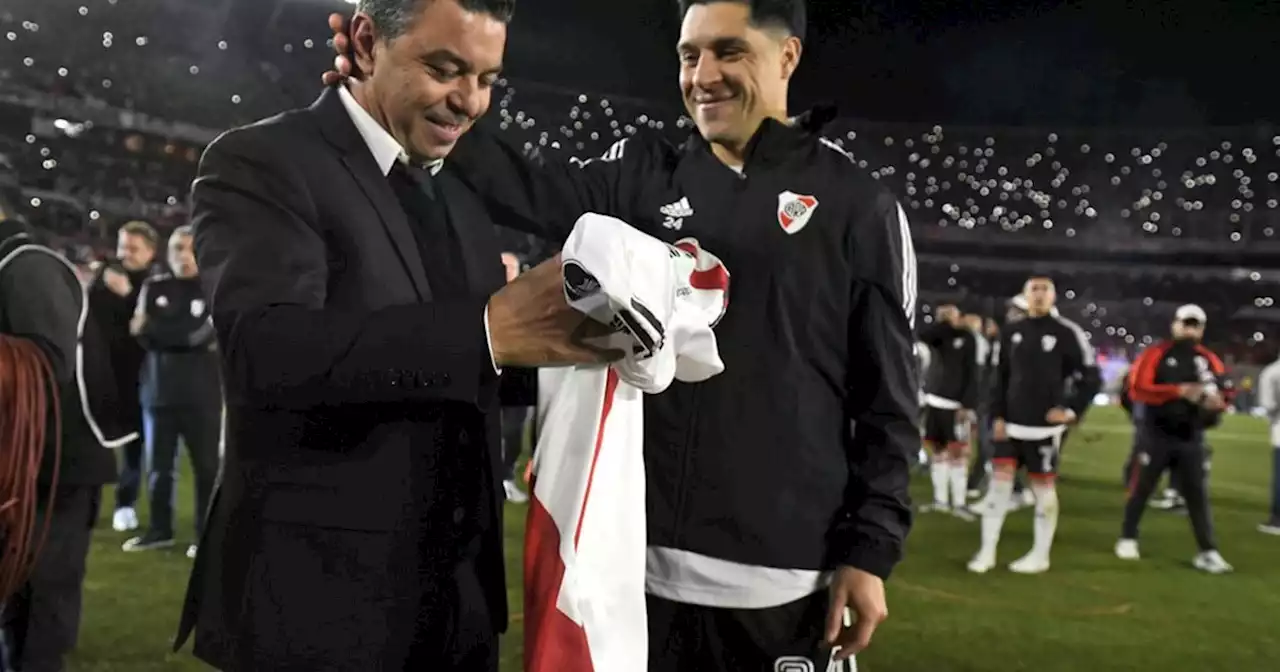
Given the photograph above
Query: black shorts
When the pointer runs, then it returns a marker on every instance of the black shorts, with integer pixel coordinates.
(941, 427)
(1039, 457)
(694, 638)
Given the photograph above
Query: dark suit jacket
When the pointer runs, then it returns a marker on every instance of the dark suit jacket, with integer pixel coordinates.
(362, 426)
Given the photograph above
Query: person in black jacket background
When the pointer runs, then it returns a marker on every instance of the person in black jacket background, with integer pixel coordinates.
(990, 356)
(1183, 389)
(113, 295)
(181, 390)
(950, 399)
(1031, 411)
(41, 301)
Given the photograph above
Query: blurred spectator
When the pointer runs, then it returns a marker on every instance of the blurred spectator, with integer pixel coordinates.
(113, 295)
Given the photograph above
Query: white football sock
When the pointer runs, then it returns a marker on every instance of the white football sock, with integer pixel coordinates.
(994, 511)
(939, 469)
(1046, 524)
(959, 482)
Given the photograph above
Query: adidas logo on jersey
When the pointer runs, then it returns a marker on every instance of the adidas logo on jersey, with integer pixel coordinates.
(675, 213)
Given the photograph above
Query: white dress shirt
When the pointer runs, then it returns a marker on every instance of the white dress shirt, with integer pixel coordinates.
(386, 151)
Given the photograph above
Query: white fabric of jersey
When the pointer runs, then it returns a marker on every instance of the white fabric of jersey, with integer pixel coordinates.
(585, 549)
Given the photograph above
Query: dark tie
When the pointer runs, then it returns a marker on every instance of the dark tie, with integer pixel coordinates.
(442, 254)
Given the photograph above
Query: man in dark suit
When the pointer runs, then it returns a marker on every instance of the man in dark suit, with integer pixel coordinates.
(362, 318)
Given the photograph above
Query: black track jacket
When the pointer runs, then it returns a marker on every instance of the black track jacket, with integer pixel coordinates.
(797, 455)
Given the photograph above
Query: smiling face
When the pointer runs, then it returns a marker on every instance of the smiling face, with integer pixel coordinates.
(428, 85)
(733, 73)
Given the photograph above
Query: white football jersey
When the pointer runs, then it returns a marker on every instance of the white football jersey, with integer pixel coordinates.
(585, 540)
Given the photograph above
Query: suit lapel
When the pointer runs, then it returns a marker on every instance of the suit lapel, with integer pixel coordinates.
(479, 241)
(338, 128)
(394, 220)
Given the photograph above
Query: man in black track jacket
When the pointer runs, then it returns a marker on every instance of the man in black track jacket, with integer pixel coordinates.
(1031, 411)
(1182, 388)
(950, 397)
(181, 390)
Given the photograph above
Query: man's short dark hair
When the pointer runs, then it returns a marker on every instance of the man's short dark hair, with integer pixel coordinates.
(785, 15)
(393, 17)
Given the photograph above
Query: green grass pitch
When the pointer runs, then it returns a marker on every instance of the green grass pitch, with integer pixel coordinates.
(1090, 612)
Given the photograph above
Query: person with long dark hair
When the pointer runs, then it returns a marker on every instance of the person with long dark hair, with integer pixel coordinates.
(41, 306)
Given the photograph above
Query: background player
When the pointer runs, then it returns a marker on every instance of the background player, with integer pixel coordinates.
(949, 399)
(1182, 387)
(1031, 410)
(989, 356)
(1269, 399)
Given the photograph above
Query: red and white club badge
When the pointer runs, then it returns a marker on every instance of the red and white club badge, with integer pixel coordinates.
(794, 210)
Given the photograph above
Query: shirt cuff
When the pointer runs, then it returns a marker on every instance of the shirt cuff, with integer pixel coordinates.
(489, 341)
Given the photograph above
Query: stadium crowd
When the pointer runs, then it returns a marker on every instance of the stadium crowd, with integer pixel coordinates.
(1013, 197)
(105, 111)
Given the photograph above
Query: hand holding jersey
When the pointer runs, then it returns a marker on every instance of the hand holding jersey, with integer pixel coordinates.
(531, 324)
(950, 395)
(585, 574)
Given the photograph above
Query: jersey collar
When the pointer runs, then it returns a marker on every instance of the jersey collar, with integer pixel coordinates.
(775, 141)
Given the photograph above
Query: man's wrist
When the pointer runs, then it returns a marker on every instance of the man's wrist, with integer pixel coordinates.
(877, 560)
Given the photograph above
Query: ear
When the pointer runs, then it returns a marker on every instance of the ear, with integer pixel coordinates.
(791, 50)
(364, 38)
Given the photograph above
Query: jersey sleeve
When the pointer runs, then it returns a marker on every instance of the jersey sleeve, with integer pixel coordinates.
(1226, 386)
(544, 195)
(881, 392)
